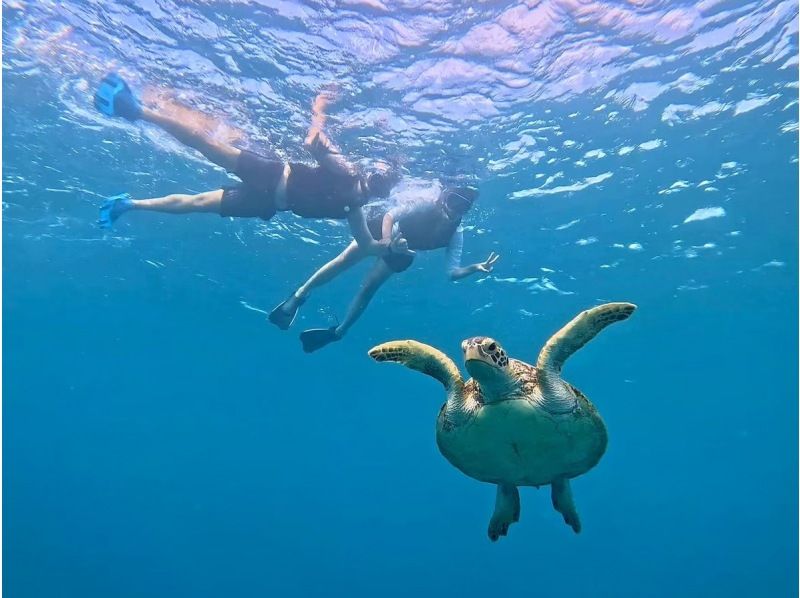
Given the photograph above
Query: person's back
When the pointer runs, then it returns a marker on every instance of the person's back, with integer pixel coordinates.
(425, 224)
(427, 227)
(318, 192)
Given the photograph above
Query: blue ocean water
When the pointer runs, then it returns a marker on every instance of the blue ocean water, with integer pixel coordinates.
(160, 438)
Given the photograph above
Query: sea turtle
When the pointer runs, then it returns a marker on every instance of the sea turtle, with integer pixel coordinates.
(513, 424)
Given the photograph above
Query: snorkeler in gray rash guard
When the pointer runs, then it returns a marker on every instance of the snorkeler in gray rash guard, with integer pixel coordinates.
(422, 226)
(334, 188)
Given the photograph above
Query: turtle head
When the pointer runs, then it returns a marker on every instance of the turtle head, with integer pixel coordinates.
(487, 362)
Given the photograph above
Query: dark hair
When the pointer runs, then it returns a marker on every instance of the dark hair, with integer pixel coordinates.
(459, 199)
(380, 183)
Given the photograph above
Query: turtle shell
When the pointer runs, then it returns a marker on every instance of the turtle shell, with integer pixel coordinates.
(517, 442)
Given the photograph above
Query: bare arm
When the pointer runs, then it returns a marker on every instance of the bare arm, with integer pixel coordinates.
(318, 116)
(386, 227)
(454, 250)
(459, 273)
(391, 236)
(329, 157)
(325, 152)
(360, 231)
(391, 240)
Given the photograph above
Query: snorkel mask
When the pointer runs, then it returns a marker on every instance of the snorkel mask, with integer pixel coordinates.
(459, 199)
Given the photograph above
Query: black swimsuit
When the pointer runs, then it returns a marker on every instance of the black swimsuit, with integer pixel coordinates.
(316, 192)
(311, 191)
(255, 196)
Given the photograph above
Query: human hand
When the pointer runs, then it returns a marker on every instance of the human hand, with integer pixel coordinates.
(398, 243)
(378, 248)
(488, 265)
(312, 138)
(327, 95)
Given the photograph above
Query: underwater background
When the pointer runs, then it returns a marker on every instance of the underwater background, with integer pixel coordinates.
(160, 438)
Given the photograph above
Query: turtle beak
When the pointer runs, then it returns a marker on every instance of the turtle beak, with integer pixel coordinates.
(470, 345)
(473, 353)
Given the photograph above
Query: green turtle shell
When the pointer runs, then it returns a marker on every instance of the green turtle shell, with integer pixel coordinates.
(517, 442)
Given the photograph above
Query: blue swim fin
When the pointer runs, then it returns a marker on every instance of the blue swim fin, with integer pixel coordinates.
(316, 338)
(114, 98)
(113, 208)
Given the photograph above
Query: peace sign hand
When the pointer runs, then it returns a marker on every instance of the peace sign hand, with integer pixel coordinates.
(488, 265)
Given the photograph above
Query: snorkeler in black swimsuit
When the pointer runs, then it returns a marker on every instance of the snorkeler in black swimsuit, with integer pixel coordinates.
(334, 188)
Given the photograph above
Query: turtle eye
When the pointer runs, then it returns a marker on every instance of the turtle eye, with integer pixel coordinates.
(492, 347)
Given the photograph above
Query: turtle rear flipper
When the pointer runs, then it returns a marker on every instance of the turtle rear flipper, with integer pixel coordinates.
(506, 511)
(561, 493)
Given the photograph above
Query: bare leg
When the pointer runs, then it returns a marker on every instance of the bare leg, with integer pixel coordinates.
(379, 274)
(348, 258)
(360, 231)
(114, 207)
(283, 315)
(315, 339)
(176, 203)
(217, 152)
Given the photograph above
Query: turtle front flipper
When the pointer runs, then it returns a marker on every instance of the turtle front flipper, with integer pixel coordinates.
(563, 503)
(421, 357)
(583, 328)
(557, 396)
(506, 511)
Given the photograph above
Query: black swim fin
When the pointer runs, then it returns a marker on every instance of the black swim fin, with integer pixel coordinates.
(316, 338)
(282, 318)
